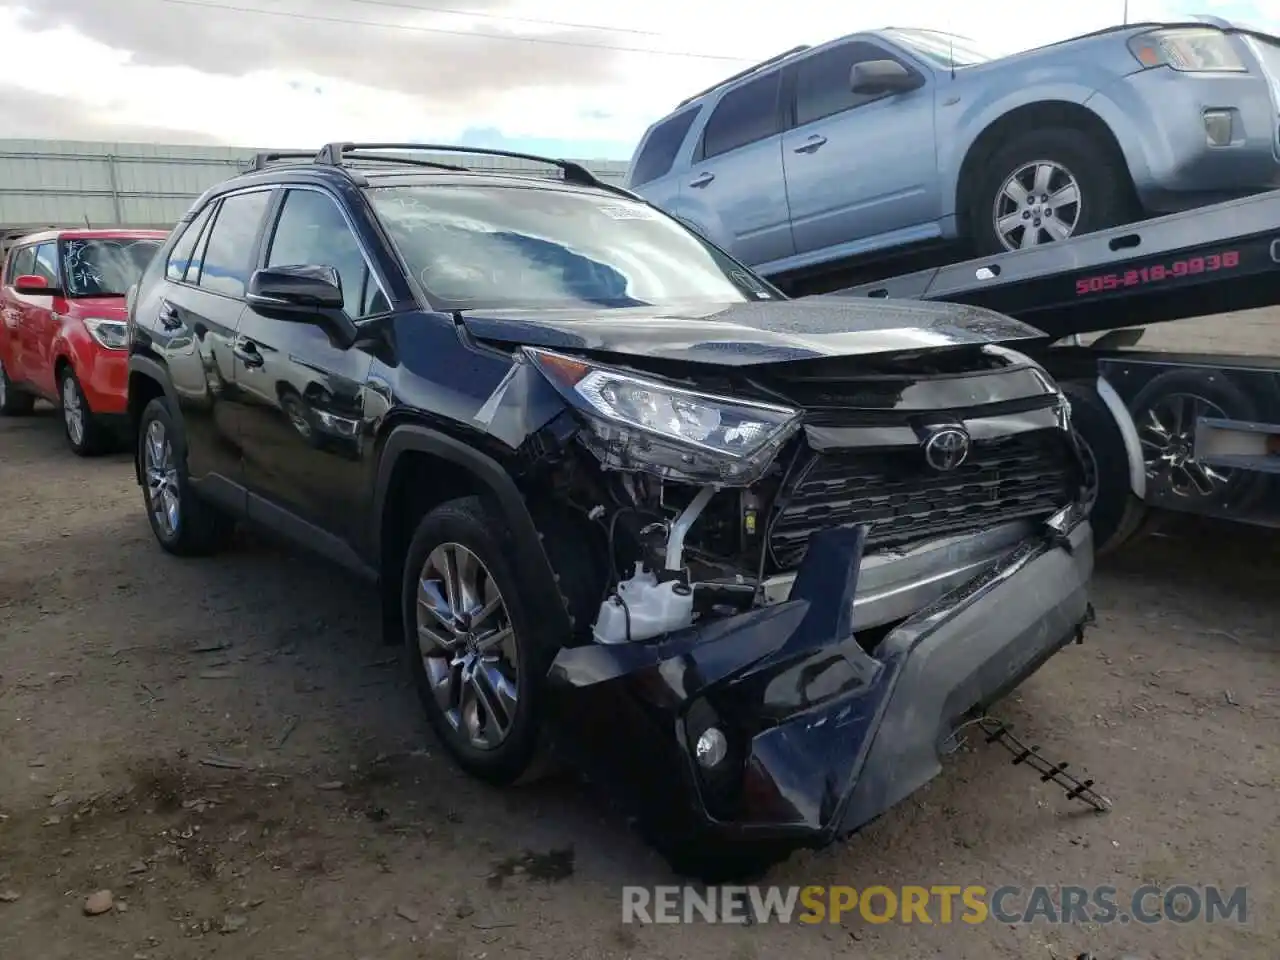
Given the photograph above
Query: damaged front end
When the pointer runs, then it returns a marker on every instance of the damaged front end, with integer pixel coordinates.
(811, 574)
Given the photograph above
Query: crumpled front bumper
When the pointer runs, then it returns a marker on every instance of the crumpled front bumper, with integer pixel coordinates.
(822, 735)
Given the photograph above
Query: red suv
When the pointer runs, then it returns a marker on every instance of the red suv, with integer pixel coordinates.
(63, 331)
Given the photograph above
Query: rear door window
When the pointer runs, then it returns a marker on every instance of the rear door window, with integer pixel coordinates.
(228, 254)
(183, 251)
(743, 115)
(660, 149)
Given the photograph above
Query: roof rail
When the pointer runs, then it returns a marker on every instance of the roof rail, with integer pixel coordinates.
(745, 73)
(261, 160)
(333, 154)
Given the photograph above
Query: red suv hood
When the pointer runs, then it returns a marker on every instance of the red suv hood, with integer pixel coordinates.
(109, 308)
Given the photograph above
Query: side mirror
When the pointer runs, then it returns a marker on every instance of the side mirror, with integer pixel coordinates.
(873, 78)
(31, 284)
(304, 289)
(308, 293)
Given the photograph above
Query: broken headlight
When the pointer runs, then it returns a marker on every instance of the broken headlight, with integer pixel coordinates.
(638, 423)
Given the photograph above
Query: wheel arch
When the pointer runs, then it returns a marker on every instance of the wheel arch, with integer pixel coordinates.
(1128, 432)
(419, 468)
(1039, 115)
(148, 379)
(61, 361)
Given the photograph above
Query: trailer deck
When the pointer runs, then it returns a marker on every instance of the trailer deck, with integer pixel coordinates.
(1214, 260)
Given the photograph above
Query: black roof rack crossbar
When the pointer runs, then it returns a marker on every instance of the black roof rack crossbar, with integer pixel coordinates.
(745, 73)
(333, 154)
(260, 160)
(412, 161)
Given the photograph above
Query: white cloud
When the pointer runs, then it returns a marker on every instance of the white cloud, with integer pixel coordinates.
(622, 91)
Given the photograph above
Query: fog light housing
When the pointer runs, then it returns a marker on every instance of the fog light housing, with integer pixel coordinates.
(1218, 127)
(712, 748)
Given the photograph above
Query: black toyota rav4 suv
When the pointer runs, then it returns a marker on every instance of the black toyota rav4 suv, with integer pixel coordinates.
(750, 560)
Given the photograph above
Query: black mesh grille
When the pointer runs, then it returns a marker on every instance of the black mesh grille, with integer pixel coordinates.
(1022, 475)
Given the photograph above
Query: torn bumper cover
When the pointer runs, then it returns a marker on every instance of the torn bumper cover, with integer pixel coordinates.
(776, 725)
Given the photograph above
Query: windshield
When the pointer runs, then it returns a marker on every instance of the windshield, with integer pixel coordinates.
(484, 246)
(102, 267)
(941, 49)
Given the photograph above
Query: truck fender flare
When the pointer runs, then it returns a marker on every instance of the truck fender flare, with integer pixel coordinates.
(490, 478)
(1129, 433)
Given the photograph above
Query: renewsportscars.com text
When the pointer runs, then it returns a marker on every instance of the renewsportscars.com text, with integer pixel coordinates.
(935, 904)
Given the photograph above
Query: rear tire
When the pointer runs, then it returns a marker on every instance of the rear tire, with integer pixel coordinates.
(86, 436)
(1102, 179)
(183, 524)
(13, 401)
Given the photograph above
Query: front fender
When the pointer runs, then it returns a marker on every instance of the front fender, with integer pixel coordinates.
(491, 479)
(962, 119)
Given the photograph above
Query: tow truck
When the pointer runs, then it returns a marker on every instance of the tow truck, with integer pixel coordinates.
(1163, 432)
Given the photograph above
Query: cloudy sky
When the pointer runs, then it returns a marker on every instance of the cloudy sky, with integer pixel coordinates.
(572, 77)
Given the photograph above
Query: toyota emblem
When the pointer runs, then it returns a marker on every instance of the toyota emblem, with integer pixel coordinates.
(946, 448)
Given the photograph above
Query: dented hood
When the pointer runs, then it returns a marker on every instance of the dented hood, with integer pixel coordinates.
(744, 334)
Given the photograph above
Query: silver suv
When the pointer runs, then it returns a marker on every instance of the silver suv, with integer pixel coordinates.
(889, 138)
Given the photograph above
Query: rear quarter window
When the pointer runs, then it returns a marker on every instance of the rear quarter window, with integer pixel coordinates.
(660, 148)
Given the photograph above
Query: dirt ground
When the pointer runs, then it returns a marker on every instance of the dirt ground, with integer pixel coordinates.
(225, 746)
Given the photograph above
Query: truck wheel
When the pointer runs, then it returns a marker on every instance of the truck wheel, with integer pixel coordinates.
(1166, 411)
(1045, 186)
(477, 657)
(85, 434)
(1114, 512)
(13, 402)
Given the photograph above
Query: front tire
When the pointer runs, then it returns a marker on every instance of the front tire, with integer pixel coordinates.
(477, 658)
(1115, 513)
(1046, 186)
(85, 434)
(183, 524)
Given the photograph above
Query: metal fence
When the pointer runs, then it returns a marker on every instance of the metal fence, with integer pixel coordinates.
(45, 183)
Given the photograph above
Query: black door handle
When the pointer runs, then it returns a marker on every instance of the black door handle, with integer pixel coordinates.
(169, 316)
(246, 351)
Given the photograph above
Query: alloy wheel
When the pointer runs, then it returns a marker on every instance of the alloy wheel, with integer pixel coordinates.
(160, 467)
(1167, 432)
(467, 645)
(72, 410)
(1039, 203)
